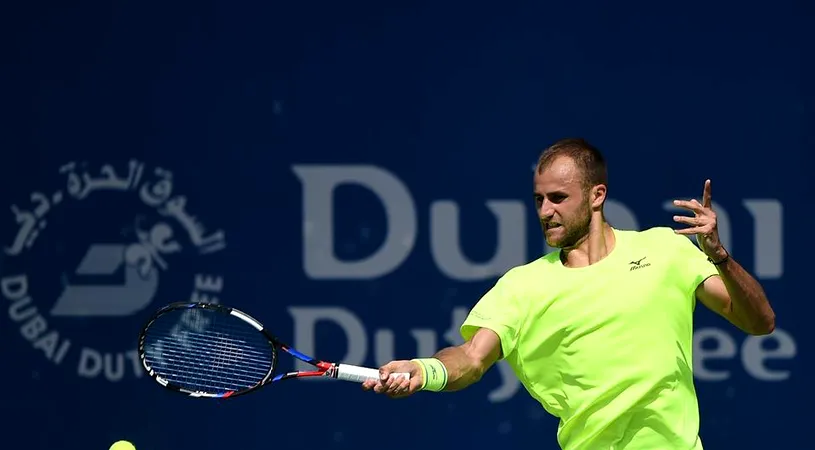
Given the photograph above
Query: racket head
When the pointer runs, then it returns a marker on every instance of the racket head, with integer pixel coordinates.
(206, 350)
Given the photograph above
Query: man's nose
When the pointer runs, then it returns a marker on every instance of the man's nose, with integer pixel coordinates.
(545, 212)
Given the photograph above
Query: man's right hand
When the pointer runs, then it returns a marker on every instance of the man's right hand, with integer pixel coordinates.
(396, 386)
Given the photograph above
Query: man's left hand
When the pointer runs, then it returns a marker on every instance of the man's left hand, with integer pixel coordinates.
(703, 224)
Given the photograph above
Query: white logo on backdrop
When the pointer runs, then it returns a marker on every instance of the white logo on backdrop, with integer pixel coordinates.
(140, 262)
(320, 262)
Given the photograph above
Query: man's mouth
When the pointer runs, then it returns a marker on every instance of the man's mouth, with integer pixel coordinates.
(549, 226)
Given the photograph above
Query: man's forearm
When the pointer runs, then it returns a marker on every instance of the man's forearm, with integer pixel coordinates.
(462, 369)
(749, 303)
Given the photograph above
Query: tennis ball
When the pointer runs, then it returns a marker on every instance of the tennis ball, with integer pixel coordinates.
(122, 445)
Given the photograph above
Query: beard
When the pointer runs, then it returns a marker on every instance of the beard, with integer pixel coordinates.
(572, 230)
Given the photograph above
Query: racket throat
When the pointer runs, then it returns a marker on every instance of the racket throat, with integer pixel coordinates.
(331, 370)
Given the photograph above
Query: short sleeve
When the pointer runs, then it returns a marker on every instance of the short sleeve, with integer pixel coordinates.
(500, 311)
(692, 264)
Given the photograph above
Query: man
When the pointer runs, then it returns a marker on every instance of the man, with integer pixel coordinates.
(599, 331)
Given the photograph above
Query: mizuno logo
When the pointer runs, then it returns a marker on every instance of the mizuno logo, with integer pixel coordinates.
(638, 264)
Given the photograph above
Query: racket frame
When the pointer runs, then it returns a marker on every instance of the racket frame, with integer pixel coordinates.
(323, 368)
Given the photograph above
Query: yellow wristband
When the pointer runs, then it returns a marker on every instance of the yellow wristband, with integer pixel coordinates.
(434, 374)
(424, 372)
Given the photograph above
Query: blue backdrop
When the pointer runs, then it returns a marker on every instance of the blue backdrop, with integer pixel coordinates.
(356, 176)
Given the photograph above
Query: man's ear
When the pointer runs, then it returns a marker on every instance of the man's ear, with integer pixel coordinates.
(598, 196)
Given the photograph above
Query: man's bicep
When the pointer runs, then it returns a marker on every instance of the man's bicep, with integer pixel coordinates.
(712, 293)
(501, 337)
(484, 347)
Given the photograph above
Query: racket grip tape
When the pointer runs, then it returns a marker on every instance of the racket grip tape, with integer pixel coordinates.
(357, 374)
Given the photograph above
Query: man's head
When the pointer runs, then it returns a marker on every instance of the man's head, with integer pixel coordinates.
(570, 189)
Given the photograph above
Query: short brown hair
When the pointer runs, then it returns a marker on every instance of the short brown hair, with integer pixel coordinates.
(587, 157)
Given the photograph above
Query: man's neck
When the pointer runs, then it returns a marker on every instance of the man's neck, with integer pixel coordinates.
(593, 247)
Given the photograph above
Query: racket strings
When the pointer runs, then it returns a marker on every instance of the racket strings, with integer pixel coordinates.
(176, 357)
(207, 351)
(206, 342)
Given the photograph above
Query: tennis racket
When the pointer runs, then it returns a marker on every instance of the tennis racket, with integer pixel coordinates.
(209, 350)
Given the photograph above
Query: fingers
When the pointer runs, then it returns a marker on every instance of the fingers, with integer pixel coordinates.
(690, 231)
(384, 373)
(379, 387)
(704, 221)
(692, 205)
(399, 387)
(396, 385)
(698, 224)
(702, 229)
(391, 384)
(706, 195)
(687, 220)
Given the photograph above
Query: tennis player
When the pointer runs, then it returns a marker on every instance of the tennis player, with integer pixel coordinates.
(600, 331)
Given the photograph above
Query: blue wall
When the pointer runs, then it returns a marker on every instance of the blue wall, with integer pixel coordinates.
(433, 117)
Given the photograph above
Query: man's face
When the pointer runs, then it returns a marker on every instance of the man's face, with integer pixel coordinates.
(563, 206)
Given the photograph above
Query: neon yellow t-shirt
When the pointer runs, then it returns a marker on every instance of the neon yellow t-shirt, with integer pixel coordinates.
(606, 348)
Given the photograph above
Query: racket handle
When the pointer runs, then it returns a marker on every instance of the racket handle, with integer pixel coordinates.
(357, 374)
